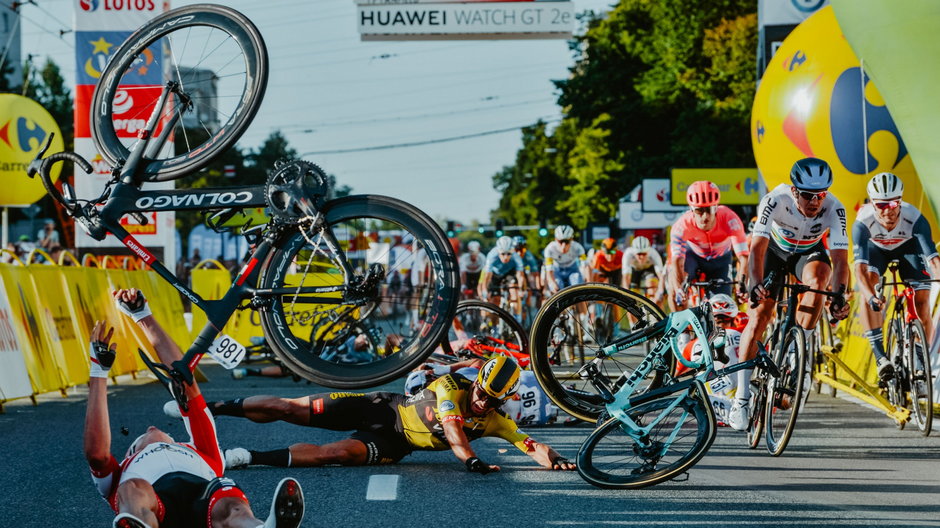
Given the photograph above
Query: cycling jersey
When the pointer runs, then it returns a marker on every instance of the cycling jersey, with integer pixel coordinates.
(497, 267)
(530, 263)
(556, 259)
(632, 264)
(472, 262)
(867, 232)
(727, 235)
(779, 219)
(600, 261)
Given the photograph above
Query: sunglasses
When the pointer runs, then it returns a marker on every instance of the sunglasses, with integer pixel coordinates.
(565, 241)
(701, 211)
(505, 254)
(611, 250)
(809, 196)
(892, 204)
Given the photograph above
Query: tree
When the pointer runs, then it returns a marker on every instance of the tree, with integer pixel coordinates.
(592, 177)
(47, 87)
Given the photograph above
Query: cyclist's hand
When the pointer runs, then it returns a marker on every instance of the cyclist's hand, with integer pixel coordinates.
(563, 464)
(839, 309)
(875, 303)
(658, 296)
(475, 465)
(101, 352)
(741, 292)
(758, 293)
(132, 303)
(680, 298)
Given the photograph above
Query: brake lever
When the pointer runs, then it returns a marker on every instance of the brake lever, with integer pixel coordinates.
(34, 166)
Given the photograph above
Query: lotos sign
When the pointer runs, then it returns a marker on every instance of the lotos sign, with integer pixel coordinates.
(24, 127)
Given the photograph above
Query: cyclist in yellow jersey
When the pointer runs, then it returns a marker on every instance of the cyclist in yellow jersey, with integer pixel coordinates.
(448, 414)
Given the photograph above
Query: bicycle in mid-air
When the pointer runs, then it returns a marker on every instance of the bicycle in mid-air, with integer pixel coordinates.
(315, 271)
(652, 426)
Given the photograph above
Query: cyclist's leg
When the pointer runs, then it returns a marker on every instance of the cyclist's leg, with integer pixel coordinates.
(872, 321)
(911, 266)
(814, 269)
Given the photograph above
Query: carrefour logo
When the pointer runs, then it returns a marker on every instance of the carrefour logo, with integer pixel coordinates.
(807, 6)
(27, 130)
(748, 186)
(88, 5)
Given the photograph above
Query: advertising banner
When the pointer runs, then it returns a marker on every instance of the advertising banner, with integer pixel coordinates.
(14, 378)
(25, 127)
(775, 20)
(656, 197)
(738, 186)
(632, 216)
(100, 28)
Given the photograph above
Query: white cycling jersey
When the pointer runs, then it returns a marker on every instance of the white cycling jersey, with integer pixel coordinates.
(779, 219)
(472, 262)
(911, 224)
(556, 259)
(632, 264)
(161, 458)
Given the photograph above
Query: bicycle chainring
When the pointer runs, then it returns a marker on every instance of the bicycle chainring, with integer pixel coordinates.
(295, 190)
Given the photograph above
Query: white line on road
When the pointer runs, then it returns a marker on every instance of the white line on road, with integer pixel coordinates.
(382, 487)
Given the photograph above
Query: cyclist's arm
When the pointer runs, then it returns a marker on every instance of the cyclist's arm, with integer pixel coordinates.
(483, 282)
(459, 443)
(105, 470)
(547, 457)
(861, 236)
(755, 261)
(921, 232)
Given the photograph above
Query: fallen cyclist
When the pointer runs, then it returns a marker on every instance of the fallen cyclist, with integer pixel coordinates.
(448, 414)
(161, 482)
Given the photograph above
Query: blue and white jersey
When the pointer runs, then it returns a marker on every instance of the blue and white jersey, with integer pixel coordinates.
(497, 267)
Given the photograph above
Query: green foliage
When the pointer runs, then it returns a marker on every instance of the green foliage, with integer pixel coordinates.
(656, 84)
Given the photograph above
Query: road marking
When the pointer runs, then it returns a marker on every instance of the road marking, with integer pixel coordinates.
(382, 487)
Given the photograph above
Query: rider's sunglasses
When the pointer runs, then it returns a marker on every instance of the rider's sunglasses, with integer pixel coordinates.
(505, 254)
(809, 196)
(611, 250)
(565, 241)
(702, 211)
(890, 204)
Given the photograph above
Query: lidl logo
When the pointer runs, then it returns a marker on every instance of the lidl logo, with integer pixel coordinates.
(88, 5)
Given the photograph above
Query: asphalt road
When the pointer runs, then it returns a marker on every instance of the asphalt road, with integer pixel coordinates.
(846, 466)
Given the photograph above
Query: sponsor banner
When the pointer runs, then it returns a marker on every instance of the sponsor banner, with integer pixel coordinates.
(738, 186)
(24, 128)
(115, 15)
(93, 50)
(14, 378)
(772, 12)
(632, 216)
(466, 20)
(656, 197)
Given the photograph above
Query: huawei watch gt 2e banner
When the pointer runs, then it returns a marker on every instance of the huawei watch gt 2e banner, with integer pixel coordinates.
(464, 19)
(100, 28)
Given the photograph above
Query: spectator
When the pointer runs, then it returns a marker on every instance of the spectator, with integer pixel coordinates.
(48, 236)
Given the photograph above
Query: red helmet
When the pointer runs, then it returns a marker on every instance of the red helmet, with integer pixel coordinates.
(609, 243)
(703, 194)
(740, 320)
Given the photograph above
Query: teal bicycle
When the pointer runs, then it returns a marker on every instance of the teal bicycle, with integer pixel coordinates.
(651, 437)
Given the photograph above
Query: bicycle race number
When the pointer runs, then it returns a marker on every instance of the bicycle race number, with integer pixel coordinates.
(228, 352)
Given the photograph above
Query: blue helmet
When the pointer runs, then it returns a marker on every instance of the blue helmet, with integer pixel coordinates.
(518, 241)
(811, 174)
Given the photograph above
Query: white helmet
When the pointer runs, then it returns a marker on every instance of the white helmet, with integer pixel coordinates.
(723, 304)
(640, 243)
(885, 186)
(473, 246)
(564, 232)
(504, 244)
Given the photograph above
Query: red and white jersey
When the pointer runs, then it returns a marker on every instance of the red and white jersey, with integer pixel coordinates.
(911, 224)
(727, 234)
(200, 456)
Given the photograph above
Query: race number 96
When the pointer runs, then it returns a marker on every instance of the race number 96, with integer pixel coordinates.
(228, 352)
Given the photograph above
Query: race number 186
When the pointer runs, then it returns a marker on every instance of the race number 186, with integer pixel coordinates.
(228, 352)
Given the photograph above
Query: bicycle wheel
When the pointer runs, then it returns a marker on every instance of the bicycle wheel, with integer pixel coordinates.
(483, 327)
(895, 348)
(784, 394)
(219, 61)
(919, 377)
(678, 438)
(564, 336)
(758, 401)
(325, 338)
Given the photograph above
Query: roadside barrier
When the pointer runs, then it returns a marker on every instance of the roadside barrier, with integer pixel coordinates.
(47, 311)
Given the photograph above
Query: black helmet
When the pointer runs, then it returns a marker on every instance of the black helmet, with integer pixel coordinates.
(811, 174)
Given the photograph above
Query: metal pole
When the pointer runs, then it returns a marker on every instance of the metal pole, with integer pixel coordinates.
(5, 237)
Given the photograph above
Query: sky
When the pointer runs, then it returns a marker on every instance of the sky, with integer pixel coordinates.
(329, 91)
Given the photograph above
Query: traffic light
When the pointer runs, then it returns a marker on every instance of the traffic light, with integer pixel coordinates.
(450, 229)
(543, 228)
(499, 227)
(481, 230)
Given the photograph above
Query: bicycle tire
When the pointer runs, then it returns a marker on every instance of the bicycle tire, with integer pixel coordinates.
(758, 400)
(777, 427)
(513, 332)
(351, 217)
(550, 337)
(895, 347)
(623, 465)
(225, 33)
(921, 385)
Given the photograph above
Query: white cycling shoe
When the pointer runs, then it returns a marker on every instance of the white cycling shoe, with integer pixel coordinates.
(237, 458)
(287, 507)
(172, 409)
(739, 415)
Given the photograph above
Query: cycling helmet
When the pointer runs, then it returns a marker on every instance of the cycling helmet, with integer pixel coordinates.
(885, 186)
(703, 194)
(740, 320)
(518, 241)
(504, 244)
(723, 304)
(811, 174)
(564, 232)
(640, 243)
(499, 377)
(751, 224)
(473, 246)
(609, 244)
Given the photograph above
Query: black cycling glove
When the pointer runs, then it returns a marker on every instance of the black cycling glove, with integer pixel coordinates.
(475, 465)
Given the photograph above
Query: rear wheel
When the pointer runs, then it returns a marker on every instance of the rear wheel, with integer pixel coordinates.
(564, 336)
(919, 376)
(895, 347)
(680, 432)
(785, 394)
(486, 329)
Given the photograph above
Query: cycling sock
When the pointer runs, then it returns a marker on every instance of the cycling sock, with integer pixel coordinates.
(808, 334)
(228, 408)
(743, 391)
(876, 339)
(278, 457)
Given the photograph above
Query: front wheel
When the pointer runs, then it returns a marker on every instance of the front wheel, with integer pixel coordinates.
(785, 394)
(486, 329)
(565, 335)
(675, 435)
(378, 326)
(919, 377)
